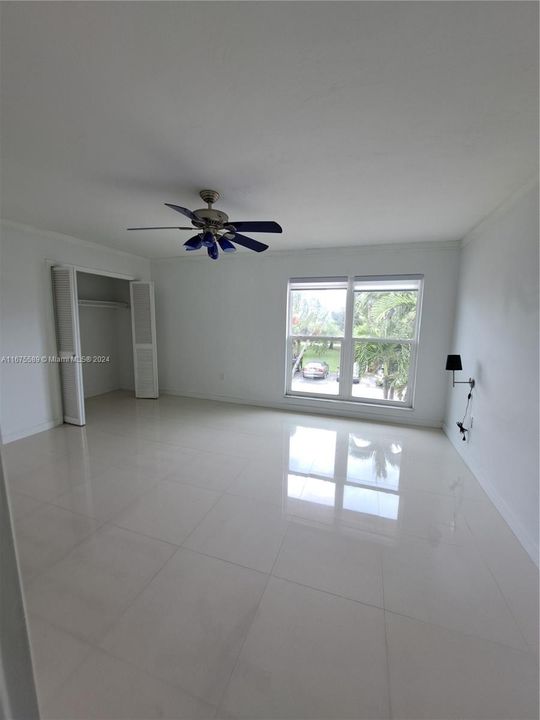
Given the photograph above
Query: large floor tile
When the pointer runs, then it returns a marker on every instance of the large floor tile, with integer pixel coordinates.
(47, 535)
(242, 531)
(158, 458)
(227, 442)
(447, 585)
(91, 587)
(58, 442)
(437, 518)
(211, 470)
(53, 477)
(438, 673)
(55, 655)
(514, 571)
(189, 624)
(262, 479)
(310, 655)
(431, 463)
(343, 561)
(105, 688)
(22, 505)
(169, 511)
(322, 499)
(106, 494)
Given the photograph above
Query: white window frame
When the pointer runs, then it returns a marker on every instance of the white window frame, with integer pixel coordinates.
(348, 342)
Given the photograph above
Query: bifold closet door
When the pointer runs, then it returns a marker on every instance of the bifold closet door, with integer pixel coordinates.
(143, 323)
(66, 313)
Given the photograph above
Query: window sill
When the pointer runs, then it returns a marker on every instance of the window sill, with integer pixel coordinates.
(329, 401)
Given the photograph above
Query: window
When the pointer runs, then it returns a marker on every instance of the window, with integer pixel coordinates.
(354, 338)
(316, 331)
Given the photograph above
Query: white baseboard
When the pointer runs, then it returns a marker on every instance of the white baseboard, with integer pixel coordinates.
(529, 544)
(26, 432)
(400, 416)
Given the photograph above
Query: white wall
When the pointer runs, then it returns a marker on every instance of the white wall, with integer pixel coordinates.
(496, 333)
(30, 394)
(221, 325)
(99, 336)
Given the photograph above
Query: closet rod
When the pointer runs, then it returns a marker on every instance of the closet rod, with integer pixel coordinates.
(103, 303)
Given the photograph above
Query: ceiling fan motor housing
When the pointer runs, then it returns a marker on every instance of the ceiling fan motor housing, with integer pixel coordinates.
(212, 218)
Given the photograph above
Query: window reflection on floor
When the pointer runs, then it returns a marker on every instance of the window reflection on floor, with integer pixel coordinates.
(342, 474)
(312, 450)
(312, 490)
(372, 502)
(373, 463)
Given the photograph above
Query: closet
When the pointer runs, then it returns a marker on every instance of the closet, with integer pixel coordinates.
(105, 331)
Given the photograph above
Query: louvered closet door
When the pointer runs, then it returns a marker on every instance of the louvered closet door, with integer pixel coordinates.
(66, 311)
(144, 339)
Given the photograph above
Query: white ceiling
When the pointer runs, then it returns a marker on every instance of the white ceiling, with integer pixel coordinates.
(349, 123)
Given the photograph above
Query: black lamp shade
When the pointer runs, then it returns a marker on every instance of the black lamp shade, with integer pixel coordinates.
(453, 362)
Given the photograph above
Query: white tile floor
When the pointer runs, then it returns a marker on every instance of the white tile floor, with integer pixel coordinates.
(189, 559)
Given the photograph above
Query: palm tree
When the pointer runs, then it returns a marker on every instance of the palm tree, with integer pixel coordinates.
(385, 315)
(391, 359)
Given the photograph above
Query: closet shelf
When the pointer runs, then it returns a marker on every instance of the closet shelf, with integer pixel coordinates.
(103, 303)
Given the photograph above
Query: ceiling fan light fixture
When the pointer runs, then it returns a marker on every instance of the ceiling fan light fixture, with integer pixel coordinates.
(194, 243)
(208, 239)
(226, 245)
(213, 252)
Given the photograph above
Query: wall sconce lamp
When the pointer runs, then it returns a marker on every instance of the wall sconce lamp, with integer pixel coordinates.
(453, 363)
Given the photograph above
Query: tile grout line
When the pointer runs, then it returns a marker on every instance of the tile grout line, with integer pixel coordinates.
(94, 647)
(503, 594)
(42, 572)
(386, 646)
(255, 613)
(90, 649)
(184, 541)
(526, 650)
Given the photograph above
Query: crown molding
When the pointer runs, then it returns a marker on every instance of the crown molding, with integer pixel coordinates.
(32, 230)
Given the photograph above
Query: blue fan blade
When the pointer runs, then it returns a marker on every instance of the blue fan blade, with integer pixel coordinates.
(194, 243)
(208, 239)
(256, 226)
(213, 252)
(226, 245)
(183, 210)
(250, 243)
(161, 227)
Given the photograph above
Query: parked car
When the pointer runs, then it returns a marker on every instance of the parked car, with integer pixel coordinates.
(316, 370)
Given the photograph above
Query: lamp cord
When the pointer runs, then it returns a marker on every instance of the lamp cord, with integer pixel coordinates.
(462, 429)
(469, 396)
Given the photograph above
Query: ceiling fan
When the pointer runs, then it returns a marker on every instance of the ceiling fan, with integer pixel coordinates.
(214, 228)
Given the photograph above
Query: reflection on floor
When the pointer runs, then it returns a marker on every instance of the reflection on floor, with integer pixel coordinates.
(190, 559)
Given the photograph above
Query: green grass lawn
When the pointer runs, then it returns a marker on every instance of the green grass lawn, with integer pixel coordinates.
(329, 356)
